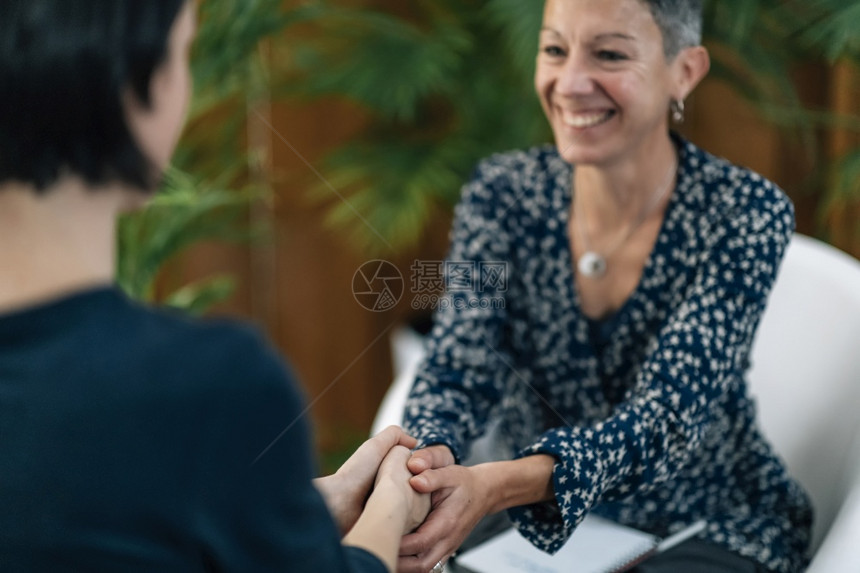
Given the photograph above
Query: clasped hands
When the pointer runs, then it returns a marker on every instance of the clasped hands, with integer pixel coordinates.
(460, 497)
(444, 501)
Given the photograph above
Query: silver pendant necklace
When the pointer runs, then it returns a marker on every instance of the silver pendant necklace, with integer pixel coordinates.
(594, 265)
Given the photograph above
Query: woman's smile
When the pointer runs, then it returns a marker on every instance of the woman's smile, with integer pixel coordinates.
(585, 119)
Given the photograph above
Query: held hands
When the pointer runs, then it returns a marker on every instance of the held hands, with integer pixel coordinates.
(393, 480)
(405, 486)
(346, 491)
(459, 501)
(394, 507)
(433, 457)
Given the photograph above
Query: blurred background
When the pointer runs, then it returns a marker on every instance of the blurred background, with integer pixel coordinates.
(327, 134)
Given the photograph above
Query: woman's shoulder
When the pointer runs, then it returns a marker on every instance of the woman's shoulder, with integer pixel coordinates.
(521, 163)
(723, 189)
(517, 159)
(735, 182)
(214, 352)
(518, 177)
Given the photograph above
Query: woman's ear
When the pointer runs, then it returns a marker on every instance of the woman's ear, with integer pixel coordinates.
(690, 66)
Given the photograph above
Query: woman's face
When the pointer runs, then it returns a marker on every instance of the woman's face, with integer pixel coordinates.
(602, 78)
(157, 128)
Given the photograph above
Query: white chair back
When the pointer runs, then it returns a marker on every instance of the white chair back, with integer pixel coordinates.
(407, 351)
(838, 550)
(806, 374)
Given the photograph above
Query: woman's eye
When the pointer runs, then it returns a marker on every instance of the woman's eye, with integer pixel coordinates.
(553, 51)
(611, 56)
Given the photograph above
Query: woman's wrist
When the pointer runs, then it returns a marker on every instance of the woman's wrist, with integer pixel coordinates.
(388, 504)
(331, 489)
(379, 525)
(513, 483)
(327, 487)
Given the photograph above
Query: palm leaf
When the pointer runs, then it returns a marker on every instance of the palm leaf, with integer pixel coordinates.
(183, 214)
(198, 297)
(230, 74)
(397, 67)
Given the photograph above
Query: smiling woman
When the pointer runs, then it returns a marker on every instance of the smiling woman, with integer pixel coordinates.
(605, 81)
(641, 265)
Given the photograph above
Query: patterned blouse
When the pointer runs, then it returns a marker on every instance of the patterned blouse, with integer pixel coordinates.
(652, 424)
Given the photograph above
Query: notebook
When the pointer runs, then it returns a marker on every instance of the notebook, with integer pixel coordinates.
(596, 546)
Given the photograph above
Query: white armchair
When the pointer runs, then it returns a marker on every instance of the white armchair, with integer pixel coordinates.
(407, 350)
(806, 376)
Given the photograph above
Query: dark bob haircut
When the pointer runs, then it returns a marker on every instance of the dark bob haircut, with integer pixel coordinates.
(64, 65)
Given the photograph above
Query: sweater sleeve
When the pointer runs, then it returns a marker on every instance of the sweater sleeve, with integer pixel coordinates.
(460, 380)
(649, 436)
(262, 512)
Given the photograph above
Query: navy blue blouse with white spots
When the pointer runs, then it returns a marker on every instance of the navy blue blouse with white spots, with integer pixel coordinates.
(652, 425)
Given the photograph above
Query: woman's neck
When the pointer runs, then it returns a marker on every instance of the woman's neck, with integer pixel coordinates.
(57, 243)
(614, 195)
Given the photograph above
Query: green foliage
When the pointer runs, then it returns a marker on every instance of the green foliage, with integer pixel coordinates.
(184, 213)
(442, 93)
(833, 28)
(846, 177)
(196, 298)
(230, 77)
(767, 40)
(451, 81)
(520, 23)
(389, 47)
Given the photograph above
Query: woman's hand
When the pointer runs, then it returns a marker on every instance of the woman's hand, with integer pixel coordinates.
(430, 458)
(460, 499)
(393, 480)
(461, 496)
(394, 508)
(346, 491)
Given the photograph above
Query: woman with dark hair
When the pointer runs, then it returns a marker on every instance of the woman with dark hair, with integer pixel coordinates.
(613, 357)
(133, 439)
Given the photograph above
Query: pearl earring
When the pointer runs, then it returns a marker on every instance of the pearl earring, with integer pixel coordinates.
(677, 108)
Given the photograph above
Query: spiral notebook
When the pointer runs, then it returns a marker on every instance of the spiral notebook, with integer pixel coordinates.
(596, 546)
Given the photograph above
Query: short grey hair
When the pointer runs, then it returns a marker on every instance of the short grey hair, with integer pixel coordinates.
(680, 23)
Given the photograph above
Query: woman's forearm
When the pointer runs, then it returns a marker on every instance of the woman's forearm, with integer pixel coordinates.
(331, 489)
(379, 528)
(518, 482)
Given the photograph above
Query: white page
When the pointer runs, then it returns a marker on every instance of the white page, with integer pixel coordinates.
(597, 546)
